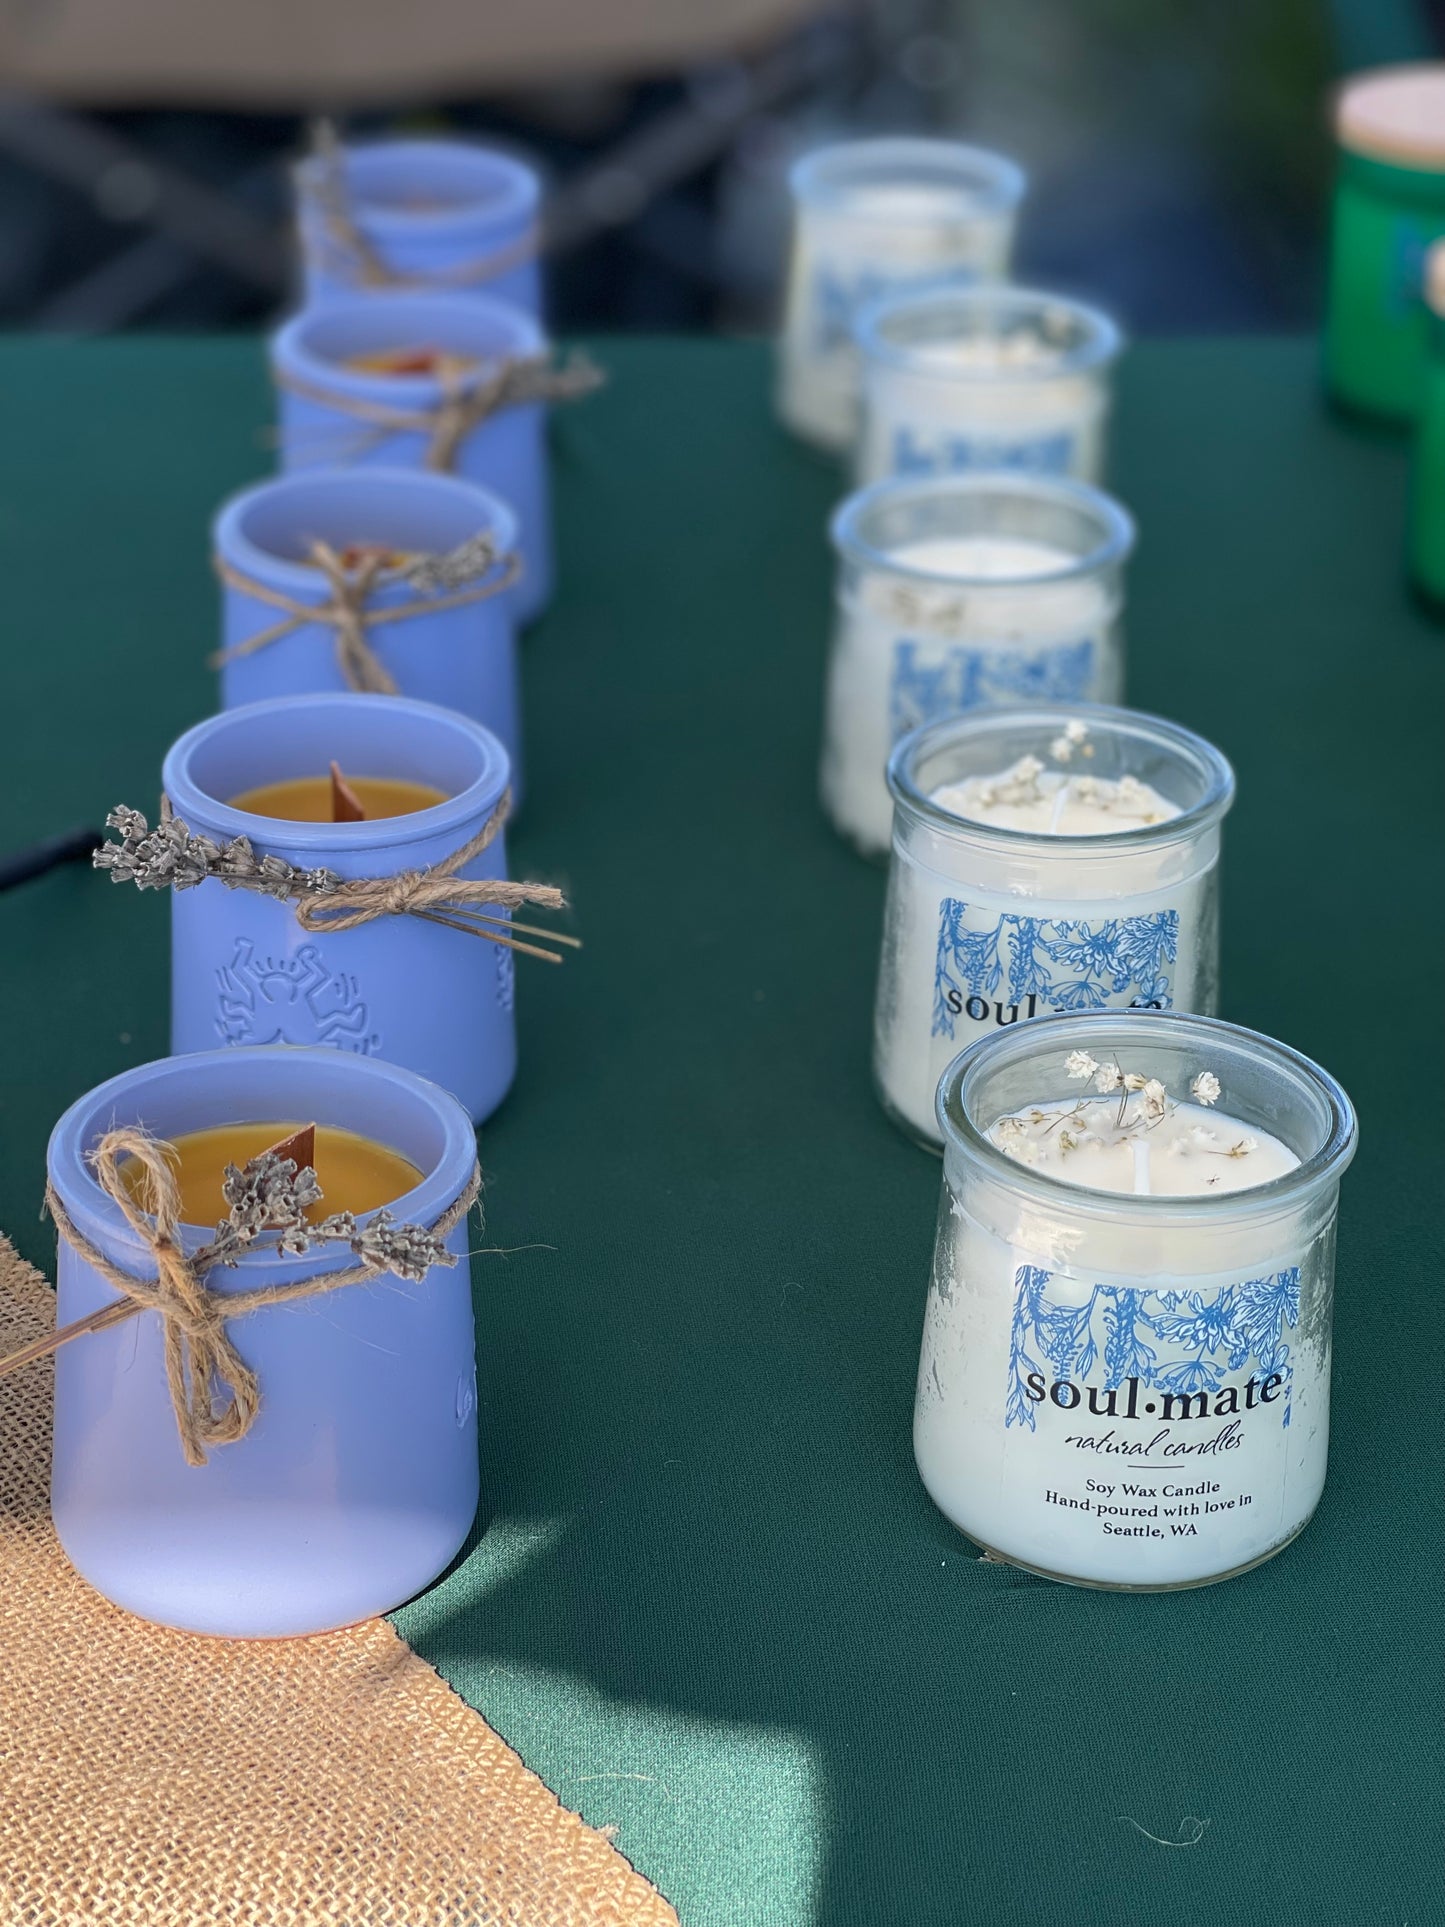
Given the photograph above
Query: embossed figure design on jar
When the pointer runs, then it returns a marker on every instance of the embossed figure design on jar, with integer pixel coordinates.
(956, 591)
(412, 990)
(1125, 1371)
(1046, 860)
(870, 217)
(960, 380)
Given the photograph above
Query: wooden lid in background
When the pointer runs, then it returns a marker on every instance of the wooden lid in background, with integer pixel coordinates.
(1395, 114)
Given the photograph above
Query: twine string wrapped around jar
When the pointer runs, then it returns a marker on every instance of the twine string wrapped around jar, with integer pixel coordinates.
(170, 857)
(353, 251)
(214, 1393)
(347, 613)
(468, 399)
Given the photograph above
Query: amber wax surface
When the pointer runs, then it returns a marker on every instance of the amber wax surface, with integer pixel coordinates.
(307, 799)
(355, 1173)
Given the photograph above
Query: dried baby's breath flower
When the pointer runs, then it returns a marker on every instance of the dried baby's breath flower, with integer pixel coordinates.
(1155, 1100)
(1080, 1065)
(1108, 1078)
(1008, 1131)
(1063, 746)
(1243, 1148)
(1204, 1088)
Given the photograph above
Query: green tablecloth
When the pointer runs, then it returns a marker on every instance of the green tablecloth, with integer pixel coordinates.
(713, 1606)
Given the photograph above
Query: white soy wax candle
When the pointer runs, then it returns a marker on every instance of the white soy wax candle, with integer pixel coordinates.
(1125, 1370)
(1043, 860)
(960, 380)
(870, 216)
(958, 591)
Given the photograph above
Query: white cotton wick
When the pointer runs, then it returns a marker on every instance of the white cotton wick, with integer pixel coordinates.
(1061, 798)
(1142, 1187)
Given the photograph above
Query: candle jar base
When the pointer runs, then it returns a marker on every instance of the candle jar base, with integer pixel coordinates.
(997, 1558)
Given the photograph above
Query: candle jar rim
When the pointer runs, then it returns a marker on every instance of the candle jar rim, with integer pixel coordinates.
(191, 798)
(234, 540)
(123, 1099)
(506, 185)
(1097, 339)
(1211, 1043)
(914, 801)
(1369, 124)
(502, 332)
(1107, 520)
(983, 182)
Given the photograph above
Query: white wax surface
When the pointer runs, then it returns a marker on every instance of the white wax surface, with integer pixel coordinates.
(987, 558)
(1096, 1142)
(1055, 803)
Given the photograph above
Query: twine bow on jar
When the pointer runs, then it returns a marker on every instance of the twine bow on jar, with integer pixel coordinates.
(215, 1394)
(443, 582)
(170, 857)
(469, 397)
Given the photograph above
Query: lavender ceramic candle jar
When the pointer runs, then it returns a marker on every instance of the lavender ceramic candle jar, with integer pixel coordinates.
(456, 647)
(244, 970)
(449, 215)
(333, 412)
(357, 1481)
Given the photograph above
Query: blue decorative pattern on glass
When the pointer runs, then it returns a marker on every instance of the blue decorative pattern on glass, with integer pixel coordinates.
(961, 453)
(838, 296)
(1056, 963)
(928, 682)
(1196, 1338)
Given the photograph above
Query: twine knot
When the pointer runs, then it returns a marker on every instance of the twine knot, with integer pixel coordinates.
(214, 1393)
(442, 581)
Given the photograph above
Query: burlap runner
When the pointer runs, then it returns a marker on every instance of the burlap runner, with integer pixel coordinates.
(148, 1779)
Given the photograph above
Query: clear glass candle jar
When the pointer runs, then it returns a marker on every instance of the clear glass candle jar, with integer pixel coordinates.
(985, 927)
(1389, 205)
(870, 216)
(962, 379)
(954, 591)
(1131, 1391)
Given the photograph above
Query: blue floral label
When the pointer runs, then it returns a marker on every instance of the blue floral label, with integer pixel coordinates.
(996, 969)
(928, 681)
(1134, 1355)
(959, 453)
(291, 1000)
(838, 295)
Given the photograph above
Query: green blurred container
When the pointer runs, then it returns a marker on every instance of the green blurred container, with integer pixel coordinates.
(1389, 207)
(1427, 480)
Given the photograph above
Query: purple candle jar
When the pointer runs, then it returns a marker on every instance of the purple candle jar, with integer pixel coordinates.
(457, 648)
(448, 215)
(357, 1481)
(335, 414)
(243, 968)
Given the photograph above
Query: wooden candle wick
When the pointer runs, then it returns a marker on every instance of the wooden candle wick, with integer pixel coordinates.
(346, 805)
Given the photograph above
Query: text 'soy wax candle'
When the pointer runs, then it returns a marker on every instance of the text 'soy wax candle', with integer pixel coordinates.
(1427, 478)
(1043, 861)
(962, 379)
(336, 1468)
(869, 217)
(407, 573)
(1125, 1374)
(445, 215)
(1389, 206)
(477, 413)
(388, 937)
(955, 591)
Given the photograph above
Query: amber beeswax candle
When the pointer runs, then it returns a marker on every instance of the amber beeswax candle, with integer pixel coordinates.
(308, 799)
(355, 1173)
